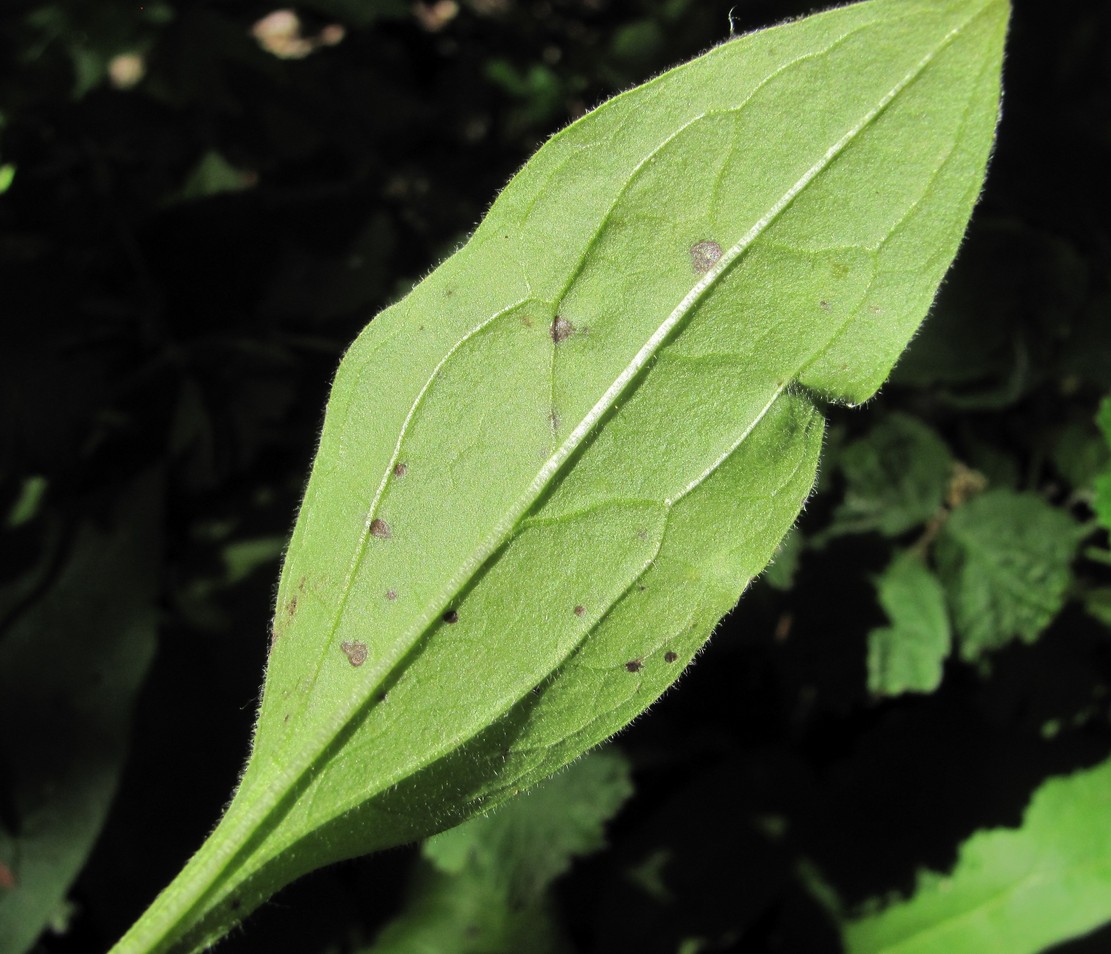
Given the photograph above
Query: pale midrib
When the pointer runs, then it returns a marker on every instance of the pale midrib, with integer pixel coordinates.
(252, 813)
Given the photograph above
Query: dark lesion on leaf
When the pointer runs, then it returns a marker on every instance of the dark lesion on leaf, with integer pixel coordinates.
(634, 665)
(355, 652)
(670, 656)
(451, 616)
(704, 255)
(561, 329)
(400, 469)
(579, 610)
(380, 529)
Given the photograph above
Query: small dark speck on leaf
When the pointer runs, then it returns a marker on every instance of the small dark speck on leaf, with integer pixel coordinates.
(824, 305)
(380, 529)
(391, 595)
(356, 652)
(641, 588)
(634, 665)
(553, 420)
(383, 696)
(536, 690)
(291, 607)
(704, 255)
(561, 329)
(286, 719)
(670, 657)
(579, 610)
(451, 616)
(400, 469)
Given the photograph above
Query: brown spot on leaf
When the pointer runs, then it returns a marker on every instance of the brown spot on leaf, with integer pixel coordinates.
(824, 305)
(561, 329)
(670, 657)
(451, 617)
(400, 469)
(579, 610)
(383, 696)
(286, 719)
(704, 255)
(380, 529)
(291, 607)
(7, 878)
(634, 665)
(355, 652)
(526, 321)
(391, 595)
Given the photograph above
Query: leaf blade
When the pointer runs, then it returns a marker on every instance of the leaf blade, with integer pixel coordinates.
(559, 316)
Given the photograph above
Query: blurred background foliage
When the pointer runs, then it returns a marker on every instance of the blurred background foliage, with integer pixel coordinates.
(202, 203)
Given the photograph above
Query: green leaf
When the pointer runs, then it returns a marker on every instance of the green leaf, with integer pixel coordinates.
(1102, 501)
(896, 478)
(212, 175)
(907, 656)
(1018, 890)
(70, 665)
(483, 886)
(1004, 559)
(547, 472)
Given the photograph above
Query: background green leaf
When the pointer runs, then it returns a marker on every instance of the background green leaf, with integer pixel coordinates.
(1004, 559)
(70, 668)
(895, 478)
(484, 885)
(907, 656)
(1011, 890)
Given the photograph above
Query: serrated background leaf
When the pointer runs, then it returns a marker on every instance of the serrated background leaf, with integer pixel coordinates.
(908, 655)
(1004, 559)
(896, 478)
(483, 886)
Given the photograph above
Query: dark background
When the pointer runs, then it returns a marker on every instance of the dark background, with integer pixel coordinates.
(182, 263)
